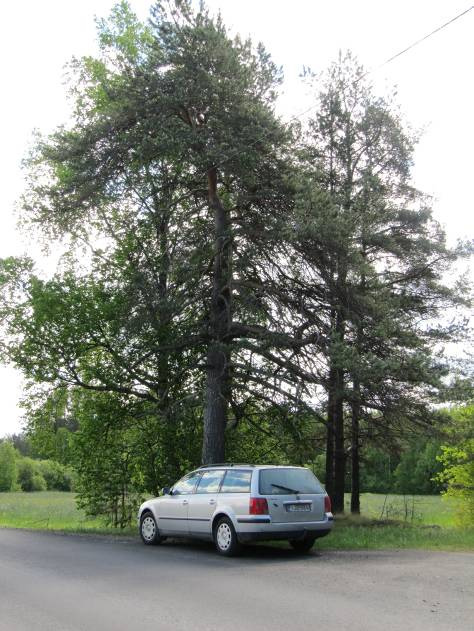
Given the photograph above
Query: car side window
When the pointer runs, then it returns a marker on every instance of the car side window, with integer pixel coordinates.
(210, 481)
(236, 482)
(186, 485)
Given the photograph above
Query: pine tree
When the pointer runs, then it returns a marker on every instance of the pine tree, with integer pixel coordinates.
(379, 258)
(174, 165)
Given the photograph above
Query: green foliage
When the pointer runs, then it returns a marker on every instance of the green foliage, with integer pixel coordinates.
(125, 34)
(50, 426)
(377, 469)
(8, 466)
(272, 435)
(458, 464)
(57, 476)
(22, 443)
(29, 476)
(107, 484)
(126, 450)
(418, 468)
(409, 468)
(318, 466)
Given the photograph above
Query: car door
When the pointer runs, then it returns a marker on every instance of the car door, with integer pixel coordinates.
(202, 503)
(173, 508)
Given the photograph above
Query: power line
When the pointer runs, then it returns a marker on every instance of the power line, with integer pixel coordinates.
(440, 28)
(387, 61)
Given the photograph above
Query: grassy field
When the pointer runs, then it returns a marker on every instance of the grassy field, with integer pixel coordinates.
(391, 521)
(427, 510)
(47, 510)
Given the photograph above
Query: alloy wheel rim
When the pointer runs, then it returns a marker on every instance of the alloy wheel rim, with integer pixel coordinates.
(224, 536)
(148, 528)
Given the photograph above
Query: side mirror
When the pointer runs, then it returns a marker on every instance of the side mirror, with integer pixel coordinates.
(166, 490)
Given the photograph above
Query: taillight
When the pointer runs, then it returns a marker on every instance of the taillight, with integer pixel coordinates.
(258, 506)
(327, 504)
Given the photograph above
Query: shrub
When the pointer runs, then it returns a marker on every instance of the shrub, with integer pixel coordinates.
(458, 462)
(376, 474)
(8, 468)
(57, 476)
(29, 476)
(418, 469)
(458, 475)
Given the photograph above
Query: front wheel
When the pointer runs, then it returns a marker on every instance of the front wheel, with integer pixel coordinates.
(149, 530)
(225, 538)
(302, 545)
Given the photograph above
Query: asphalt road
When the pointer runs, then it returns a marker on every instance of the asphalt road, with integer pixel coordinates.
(52, 582)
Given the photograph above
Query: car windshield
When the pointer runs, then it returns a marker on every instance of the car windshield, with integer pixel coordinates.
(288, 481)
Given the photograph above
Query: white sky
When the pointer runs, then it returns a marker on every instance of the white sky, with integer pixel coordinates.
(435, 89)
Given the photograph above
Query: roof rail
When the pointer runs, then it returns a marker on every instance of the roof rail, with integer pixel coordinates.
(226, 464)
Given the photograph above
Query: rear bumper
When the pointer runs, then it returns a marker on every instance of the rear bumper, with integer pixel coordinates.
(262, 528)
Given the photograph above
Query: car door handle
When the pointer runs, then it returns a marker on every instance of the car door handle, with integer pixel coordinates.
(185, 502)
(212, 501)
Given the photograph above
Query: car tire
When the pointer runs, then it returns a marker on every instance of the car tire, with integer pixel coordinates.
(225, 538)
(149, 530)
(302, 545)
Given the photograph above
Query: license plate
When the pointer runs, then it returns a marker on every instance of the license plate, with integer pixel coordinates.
(296, 508)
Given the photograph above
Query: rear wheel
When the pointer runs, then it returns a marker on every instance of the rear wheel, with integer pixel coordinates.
(225, 538)
(303, 545)
(149, 530)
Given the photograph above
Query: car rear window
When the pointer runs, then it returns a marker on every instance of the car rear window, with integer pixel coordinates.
(288, 481)
(236, 482)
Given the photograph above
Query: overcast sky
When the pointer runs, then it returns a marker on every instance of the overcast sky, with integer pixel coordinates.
(435, 89)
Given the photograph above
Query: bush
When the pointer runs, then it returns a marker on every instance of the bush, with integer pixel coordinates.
(458, 474)
(376, 471)
(57, 476)
(38, 483)
(417, 471)
(29, 476)
(319, 467)
(458, 462)
(8, 468)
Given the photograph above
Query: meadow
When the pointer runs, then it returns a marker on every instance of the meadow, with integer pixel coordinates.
(47, 510)
(426, 510)
(386, 521)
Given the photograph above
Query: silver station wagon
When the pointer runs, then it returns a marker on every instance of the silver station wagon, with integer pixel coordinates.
(232, 504)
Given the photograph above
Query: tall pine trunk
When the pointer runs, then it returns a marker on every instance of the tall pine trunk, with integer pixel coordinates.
(335, 453)
(339, 451)
(217, 388)
(356, 405)
(330, 437)
(337, 387)
(355, 469)
(169, 457)
(340, 329)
